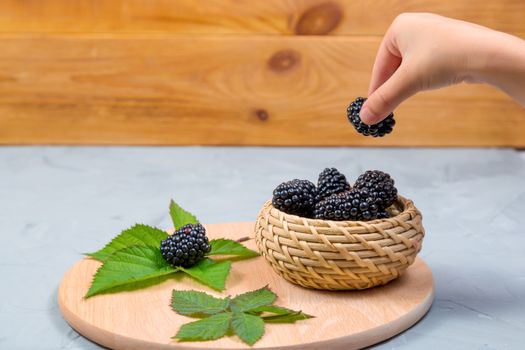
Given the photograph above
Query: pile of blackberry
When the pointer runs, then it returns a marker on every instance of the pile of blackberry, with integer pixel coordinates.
(186, 247)
(335, 199)
(377, 130)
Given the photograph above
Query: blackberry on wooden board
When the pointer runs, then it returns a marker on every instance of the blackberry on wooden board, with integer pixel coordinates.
(296, 197)
(331, 181)
(376, 130)
(186, 247)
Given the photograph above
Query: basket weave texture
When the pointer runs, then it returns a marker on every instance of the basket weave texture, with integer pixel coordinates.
(339, 255)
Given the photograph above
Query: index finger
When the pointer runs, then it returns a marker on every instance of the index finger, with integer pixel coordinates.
(387, 61)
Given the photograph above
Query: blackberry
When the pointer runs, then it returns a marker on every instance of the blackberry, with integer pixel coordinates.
(186, 246)
(379, 185)
(383, 214)
(331, 181)
(351, 205)
(377, 130)
(296, 197)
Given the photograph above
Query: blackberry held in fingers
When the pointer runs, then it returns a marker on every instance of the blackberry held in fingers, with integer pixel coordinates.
(376, 130)
(296, 197)
(379, 185)
(331, 181)
(186, 247)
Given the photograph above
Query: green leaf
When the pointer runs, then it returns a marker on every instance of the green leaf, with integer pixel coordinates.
(210, 273)
(180, 216)
(209, 328)
(249, 328)
(229, 247)
(129, 266)
(240, 315)
(252, 300)
(280, 314)
(277, 310)
(287, 318)
(196, 303)
(138, 235)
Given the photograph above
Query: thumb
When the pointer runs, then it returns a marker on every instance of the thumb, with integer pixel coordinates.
(400, 86)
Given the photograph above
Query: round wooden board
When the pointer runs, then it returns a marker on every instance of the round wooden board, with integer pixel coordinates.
(142, 319)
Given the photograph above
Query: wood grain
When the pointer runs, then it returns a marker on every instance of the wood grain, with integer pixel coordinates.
(317, 17)
(227, 72)
(142, 319)
(223, 90)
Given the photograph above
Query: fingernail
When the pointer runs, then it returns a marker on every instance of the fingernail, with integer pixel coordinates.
(366, 116)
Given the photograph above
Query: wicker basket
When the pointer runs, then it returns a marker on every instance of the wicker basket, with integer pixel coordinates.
(324, 254)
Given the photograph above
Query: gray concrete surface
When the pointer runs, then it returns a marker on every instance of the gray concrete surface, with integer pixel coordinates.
(58, 202)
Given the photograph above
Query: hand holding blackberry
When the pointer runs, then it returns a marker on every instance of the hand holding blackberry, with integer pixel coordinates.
(408, 62)
(376, 130)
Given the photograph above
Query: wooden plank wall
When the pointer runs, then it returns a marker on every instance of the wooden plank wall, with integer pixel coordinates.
(228, 72)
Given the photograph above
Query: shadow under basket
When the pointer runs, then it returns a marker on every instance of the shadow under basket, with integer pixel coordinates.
(340, 255)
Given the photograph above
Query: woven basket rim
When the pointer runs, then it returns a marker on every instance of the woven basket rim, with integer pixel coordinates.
(405, 203)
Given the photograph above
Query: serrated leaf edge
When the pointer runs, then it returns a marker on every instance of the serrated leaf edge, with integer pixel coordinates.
(203, 283)
(199, 292)
(266, 287)
(89, 295)
(93, 254)
(173, 203)
(197, 339)
(240, 337)
(306, 316)
(252, 253)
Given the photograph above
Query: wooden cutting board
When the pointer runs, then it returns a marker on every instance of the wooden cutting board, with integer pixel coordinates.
(142, 319)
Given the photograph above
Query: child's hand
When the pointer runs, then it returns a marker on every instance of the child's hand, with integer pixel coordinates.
(424, 51)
